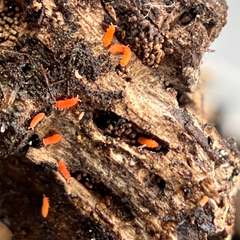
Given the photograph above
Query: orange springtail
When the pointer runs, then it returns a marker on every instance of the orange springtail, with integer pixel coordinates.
(127, 56)
(67, 103)
(39, 117)
(45, 206)
(118, 48)
(52, 140)
(203, 201)
(109, 35)
(63, 170)
(148, 142)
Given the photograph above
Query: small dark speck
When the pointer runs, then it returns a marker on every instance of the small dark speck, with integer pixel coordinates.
(128, 79)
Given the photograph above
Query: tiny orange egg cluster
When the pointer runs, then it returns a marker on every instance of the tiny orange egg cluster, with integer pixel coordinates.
(117, 48)
(148, 142)
(63, 170)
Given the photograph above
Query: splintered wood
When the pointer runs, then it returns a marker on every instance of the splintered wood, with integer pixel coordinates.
(119, 153)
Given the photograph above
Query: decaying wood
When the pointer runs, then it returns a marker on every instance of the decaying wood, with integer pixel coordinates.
(119, 189)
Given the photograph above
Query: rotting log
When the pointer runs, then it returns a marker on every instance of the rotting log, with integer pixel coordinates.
(119, 189)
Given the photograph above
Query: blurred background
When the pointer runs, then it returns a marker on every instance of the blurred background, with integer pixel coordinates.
(221, 73)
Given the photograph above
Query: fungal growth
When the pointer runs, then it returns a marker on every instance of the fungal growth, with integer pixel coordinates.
(157, 5)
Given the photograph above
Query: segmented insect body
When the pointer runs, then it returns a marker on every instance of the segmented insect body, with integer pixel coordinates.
(148, 142)
(118, 48)
(63, 170)
(109, 35)
(39, 117)
(52, 140)
(67, 103)
(45, 206)
(127, 56)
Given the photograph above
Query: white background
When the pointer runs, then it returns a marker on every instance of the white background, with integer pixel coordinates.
(223, 84)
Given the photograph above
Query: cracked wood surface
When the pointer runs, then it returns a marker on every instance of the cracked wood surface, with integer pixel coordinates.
(119, 189)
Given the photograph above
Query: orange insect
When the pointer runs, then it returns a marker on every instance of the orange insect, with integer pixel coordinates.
(109, 35)
(127, 56)
(52, 140)
(67, 103)
(203, 201)
(45, 206)
(148, 142)
(63, 170)
(39, 117)
(118, 48)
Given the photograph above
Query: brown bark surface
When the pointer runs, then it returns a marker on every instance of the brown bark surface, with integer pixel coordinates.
(119, 189)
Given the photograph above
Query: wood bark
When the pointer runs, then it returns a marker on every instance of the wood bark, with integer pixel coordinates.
(119, 189)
